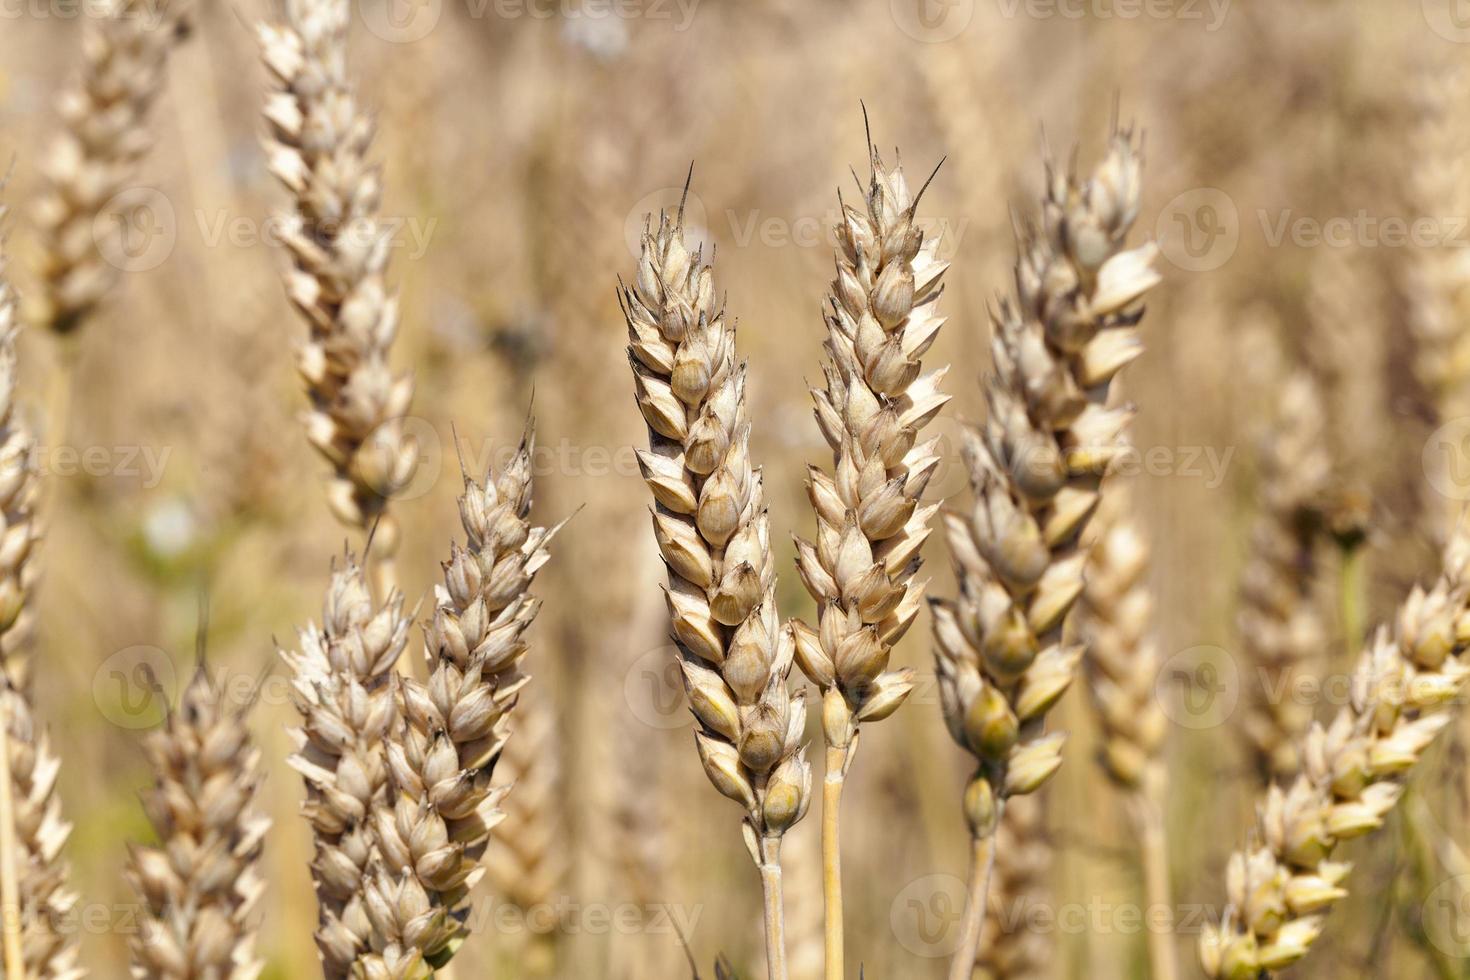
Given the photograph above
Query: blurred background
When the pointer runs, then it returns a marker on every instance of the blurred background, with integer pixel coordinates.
(523, 141)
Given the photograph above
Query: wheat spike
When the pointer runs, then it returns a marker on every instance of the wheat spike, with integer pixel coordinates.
(1281, 889)
(343, 686)
(200, 886)
(318, 144)
(881, 319)
(1035, 470)
(31, 766)
(1281, 626)
(1009, 948)
(711, 526)
(105, 118)
(443, 754)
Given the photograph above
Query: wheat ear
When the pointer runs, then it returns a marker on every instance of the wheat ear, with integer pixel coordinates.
(711, 526)
(36, 899)
(1352, 775)
(1281, 626)
(318, 144)
(881, 319)
(1035, 470)
(343, 686)
(201, 885)
(105, 132)
(1114, 619)
(453, 728)
(1009, 950)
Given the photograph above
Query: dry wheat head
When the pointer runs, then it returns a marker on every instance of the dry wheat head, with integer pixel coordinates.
(201, 884)
(343, 686)
(442, 756)
(1035, 469)
(49, 949)
(882, 317)
(1352, 775)
(1281, 625)
(1114, 619)
(104, 116)
(318, 144)
(711, 526)
(1010, 949)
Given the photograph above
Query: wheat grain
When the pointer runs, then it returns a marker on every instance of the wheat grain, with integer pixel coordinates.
(105, 132)
(343, 686)
(201, 885)
(318, 144)
(1114, 619)
(871, 524)
(454, 726)
(1281, 889)
(711, 526)
(1035, 470)
(1280, 622)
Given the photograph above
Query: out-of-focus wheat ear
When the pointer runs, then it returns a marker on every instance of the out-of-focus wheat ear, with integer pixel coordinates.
(1281, 624)
(443, 749)
(1036, 466)
(1115, 621)
(527, 857)
(36, 900)
(1010, 948)
(201, 884)
(318, 141)
(1407, 685)
(882, 317)
(711, 526)
(342, 684)
(104, 115)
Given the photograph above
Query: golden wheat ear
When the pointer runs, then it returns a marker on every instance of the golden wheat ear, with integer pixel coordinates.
(1036, 468)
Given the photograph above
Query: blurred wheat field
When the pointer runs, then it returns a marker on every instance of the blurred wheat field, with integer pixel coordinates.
(522, 146)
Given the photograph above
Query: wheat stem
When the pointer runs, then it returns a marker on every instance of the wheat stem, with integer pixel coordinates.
(774, 911)
(832, 925)
(10, 911)
(1153, 845)
(982, 868)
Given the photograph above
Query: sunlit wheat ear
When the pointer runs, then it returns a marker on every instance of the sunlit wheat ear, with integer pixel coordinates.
(711, 526)
(442, 752)
(1405, 690)
(104, 133)
(39, 874)
(1281, 623)
(1036, 465)
(342, 685)
(318, 145)
(1011, 948)
(201, 885)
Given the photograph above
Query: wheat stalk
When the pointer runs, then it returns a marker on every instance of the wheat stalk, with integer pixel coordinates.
(1281, 627)
(443, 754)
(318, 144)
(201, 885)
(1114, 619)
(1353, 771)
(343, 686)
(711, 526)
(1009, 949)
(870, 523)
(105, 119)
(1035, 470)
